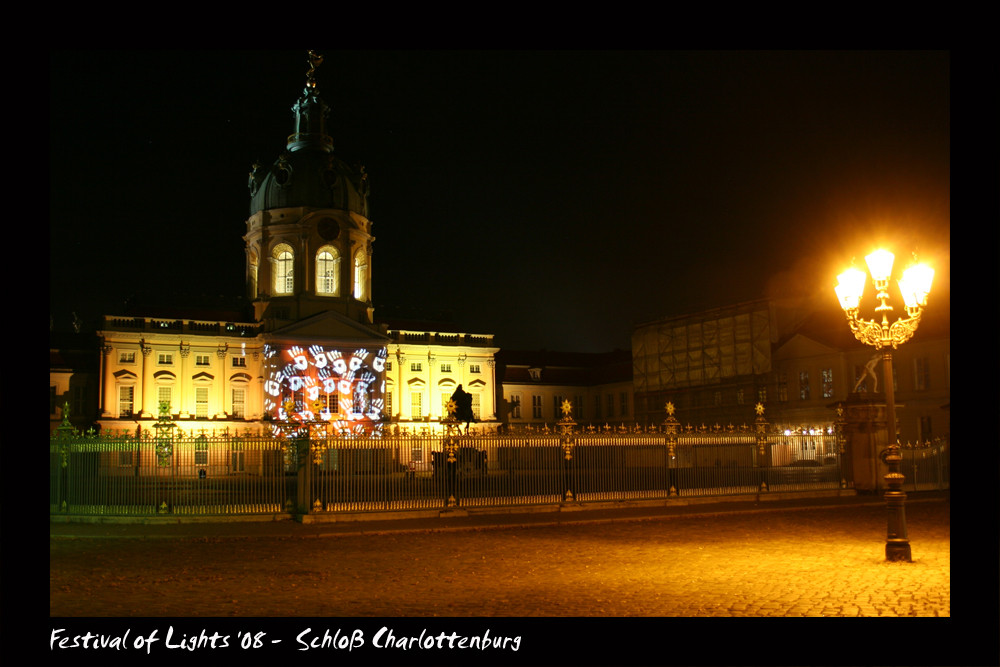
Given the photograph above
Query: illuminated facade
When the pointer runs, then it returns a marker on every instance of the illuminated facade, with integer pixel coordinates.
(426, 367)
(310, 352)
(598, 386)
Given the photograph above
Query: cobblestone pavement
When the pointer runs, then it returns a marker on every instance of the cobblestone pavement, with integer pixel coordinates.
(822, 561)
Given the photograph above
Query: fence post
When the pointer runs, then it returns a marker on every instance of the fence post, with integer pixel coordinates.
(451, 431)
(566, 425)
(839, 425)
(304, 477)
(763, 452)
(164, 456)
(671, 426)
(64, 432)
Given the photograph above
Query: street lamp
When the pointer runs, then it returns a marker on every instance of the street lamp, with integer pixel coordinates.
(915, 285)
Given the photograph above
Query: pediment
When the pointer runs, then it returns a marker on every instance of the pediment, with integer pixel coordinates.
(799, 346)
(326, 328)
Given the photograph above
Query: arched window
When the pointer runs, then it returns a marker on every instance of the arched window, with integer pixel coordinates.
(284, 274)
(328, 271)
(360, 275)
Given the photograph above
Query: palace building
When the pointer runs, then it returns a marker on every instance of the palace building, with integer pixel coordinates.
(309, 350)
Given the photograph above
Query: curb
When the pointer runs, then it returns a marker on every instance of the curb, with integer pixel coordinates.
(464, 521)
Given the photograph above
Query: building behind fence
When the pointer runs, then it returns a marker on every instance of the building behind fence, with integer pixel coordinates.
(231, 474)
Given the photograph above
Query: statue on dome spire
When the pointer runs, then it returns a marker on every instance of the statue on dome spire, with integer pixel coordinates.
(315, 60)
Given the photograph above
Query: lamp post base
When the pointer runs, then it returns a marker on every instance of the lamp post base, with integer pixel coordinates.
(898, 551)
(897, 543)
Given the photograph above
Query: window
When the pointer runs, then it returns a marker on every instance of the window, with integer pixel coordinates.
(515, 406)
(783, 388)
(921, 374)
(762, 395)
(474, 368)
(717, 397)
(360, 275)
(201, 451)
(597, 407)
(925, 434)
(284, 271)
(623, 403)
(611, 405)
(239, 401)
(578, 407)
(328, 271)
(475, 404)
(201, 402)
(536, 407)
(416, 405)
(388, 403)
(328, 403)
(238, 457)
(126, 357)
(163, 396)
(445, 368)
(739, 396)
(827, 378)
(388, 366)
(557, 406)
(804, 385)
(164, 359)
(202, 360)
(239, 362)
(125, 404)
(416, 367)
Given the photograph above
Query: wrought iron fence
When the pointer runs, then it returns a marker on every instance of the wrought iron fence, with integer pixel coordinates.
(926, 466)
(257, 474)
(199, 474)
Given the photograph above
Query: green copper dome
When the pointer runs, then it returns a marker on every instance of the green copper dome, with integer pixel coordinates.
(307, 173)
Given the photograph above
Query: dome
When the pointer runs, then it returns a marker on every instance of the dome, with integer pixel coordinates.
(309, 177)
(307, 173)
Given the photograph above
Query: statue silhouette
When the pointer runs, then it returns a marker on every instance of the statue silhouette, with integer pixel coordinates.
(870, 371)
(463, 406)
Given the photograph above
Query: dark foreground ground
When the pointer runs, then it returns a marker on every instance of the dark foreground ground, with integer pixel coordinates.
(820, 560)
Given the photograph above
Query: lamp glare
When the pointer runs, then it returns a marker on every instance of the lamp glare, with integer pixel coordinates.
(880, 264)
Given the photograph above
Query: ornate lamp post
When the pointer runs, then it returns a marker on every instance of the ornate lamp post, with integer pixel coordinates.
(915, 285)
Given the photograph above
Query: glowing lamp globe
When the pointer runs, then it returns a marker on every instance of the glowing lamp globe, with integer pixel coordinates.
(880, 264)
(915, 285)
(850, 288)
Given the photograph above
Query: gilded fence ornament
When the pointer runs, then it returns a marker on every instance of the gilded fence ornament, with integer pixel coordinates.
(65, 428)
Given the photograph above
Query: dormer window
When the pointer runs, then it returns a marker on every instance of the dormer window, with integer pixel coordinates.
(535, 374)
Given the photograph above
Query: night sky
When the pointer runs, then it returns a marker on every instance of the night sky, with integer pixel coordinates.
(553, 198)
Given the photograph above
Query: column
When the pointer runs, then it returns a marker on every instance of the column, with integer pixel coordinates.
(182, 381)
(145, 380)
